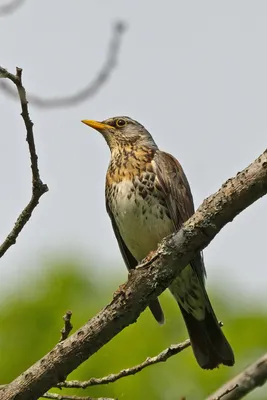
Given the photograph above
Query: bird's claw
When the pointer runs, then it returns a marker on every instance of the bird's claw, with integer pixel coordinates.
(149, 258)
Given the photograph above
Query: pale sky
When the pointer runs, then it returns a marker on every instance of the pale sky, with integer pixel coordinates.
(194, 73)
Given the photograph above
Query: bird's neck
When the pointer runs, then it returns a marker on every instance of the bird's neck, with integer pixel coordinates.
(129, 161)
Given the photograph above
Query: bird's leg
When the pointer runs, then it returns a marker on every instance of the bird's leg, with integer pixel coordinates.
(152, 255)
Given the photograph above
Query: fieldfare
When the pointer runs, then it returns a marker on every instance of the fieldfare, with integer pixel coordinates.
(147, 198)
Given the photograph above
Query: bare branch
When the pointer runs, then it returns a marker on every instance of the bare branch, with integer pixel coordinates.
(161, 357)
(38, 187)
(63, 397)
(91, 88)
(252, 377)
(11, 7)
(67, 326)
(227, 391)
(144, 284)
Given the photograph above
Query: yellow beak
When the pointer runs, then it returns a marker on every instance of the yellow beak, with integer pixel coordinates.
(99, 126)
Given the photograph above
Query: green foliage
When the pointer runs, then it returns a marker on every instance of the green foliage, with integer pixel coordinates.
(30, 320)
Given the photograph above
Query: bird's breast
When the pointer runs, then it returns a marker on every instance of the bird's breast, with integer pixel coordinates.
(140, 213)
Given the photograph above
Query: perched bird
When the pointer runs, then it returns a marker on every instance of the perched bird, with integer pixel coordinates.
(147, 198)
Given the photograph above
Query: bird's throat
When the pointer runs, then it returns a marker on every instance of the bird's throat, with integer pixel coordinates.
(129, 161)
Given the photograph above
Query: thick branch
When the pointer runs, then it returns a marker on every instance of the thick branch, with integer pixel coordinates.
(252, 377)
(88, 90)
(38, 187)
(144, 284)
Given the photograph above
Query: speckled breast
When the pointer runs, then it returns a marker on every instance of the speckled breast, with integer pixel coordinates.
(140, 212)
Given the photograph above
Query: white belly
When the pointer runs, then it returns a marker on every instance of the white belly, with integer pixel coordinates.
(141, 226)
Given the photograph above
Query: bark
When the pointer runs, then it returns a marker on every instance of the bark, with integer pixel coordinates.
(249, 379)
(144, 284)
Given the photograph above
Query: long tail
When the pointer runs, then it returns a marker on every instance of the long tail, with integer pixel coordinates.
(209, 344)
(156, 310)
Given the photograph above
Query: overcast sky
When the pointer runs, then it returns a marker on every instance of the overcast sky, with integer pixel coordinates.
(194, 73)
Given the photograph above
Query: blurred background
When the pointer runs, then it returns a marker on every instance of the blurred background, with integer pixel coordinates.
(194, 73)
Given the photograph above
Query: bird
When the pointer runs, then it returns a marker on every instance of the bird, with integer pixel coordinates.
(148, 197)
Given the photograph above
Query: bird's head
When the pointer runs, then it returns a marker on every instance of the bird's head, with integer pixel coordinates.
(122, 131)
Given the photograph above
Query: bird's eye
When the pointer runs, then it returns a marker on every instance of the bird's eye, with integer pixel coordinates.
(120, 123)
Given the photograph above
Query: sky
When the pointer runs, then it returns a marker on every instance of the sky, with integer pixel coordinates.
(194, 73)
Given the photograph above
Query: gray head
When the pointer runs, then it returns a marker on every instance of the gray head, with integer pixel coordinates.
(122, 131)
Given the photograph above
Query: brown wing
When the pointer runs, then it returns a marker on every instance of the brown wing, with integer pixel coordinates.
(175, 186)
(131, 263)
(179, 200)
(207, 339)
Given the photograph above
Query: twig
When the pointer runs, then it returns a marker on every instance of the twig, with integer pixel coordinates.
(91, 88)
(145, 284)
(67, 326)
(161, 357)
(38, 187)
(63, 397)
(249, 379)
(10, 7)
(227, 391)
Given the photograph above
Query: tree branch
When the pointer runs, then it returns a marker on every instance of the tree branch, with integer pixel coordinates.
(67, 326)
(10, 7)
(161, 357)
(144, 284)
(252, 377)
(63, 397)
(38, 187)
(91, 88)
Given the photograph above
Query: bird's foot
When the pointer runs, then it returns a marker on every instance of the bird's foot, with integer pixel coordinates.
(150, 255)
(148, 260)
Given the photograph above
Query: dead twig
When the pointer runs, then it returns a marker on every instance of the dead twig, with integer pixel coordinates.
(38, 187)
(56, 396)
(65, 331)
(161, 357)
(227, 391)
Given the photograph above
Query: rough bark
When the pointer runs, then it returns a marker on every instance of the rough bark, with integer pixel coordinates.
(145, 283)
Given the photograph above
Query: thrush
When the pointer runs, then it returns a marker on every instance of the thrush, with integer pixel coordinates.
(147, 198)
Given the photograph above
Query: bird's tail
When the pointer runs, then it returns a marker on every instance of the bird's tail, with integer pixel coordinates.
(156, 310)
(209, 344)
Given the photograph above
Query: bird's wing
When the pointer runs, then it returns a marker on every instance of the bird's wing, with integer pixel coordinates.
(174, 184)
(129, 259)
(208, 342)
